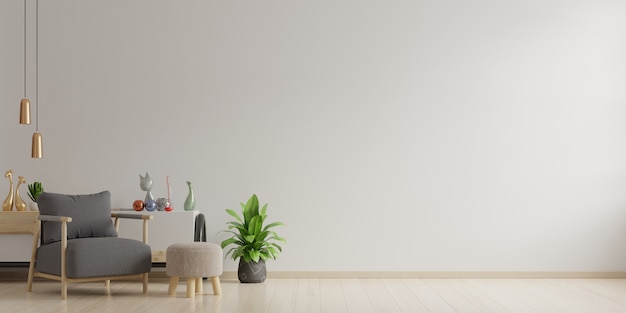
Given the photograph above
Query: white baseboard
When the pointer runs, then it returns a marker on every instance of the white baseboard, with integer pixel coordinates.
(366, 274)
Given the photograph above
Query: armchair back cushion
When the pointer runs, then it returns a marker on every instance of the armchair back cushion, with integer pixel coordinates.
(91, 215)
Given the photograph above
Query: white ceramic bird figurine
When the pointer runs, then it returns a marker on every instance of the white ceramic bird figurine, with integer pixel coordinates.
(145, 183)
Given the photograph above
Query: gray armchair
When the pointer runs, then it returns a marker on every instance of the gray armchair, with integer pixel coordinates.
(79, 242)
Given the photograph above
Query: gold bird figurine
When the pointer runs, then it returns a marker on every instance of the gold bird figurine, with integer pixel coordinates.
(20, 205)
(7, 205)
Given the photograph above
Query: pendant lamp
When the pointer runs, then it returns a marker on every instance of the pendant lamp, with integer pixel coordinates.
(25, 103)
(37, 148)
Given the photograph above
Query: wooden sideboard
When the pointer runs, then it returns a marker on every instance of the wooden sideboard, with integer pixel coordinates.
(16, 235)
(165, 229)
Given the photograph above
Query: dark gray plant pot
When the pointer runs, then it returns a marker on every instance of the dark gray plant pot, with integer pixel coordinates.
(251, 272)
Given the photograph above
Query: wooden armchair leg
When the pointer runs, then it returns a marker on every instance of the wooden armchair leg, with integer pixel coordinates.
(29, 284)
(31, 270)
(63, 259)
(63, 289)
(145, 283)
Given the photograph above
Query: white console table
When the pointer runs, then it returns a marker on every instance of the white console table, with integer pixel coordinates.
(164, 229)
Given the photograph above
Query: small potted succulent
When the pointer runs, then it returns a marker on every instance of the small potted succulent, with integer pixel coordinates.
(253, 242)
(34, 190)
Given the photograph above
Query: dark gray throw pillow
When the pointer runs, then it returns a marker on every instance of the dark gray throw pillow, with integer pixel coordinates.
(91, 215)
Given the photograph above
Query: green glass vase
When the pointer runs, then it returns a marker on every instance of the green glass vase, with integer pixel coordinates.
(190, 202)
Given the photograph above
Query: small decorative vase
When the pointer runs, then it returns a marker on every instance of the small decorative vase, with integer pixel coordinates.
(251, 272)
(190, 202)
(33, 206)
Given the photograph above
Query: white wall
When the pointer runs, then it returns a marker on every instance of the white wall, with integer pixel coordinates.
(388, 135)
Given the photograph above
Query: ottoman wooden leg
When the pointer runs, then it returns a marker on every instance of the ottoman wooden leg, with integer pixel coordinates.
(191, 287)
(173, 284)
(217, 287)
(199, 285)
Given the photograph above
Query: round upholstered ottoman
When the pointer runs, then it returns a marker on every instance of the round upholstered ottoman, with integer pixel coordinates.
(194, 260)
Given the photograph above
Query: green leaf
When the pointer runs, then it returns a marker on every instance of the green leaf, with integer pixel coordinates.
(279, 239)
(262, 235)
(255, 225)
(246, 258)
(249, 209)
(34, 190)
(278, 247)
(235, 215)
(254, 205)
(234, 225)
(255, 255)
(268, 226)
(228, 242)
(272, 251)
(230, 251)
(232, 232)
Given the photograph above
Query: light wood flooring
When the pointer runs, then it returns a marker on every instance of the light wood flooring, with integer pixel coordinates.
(329, 295)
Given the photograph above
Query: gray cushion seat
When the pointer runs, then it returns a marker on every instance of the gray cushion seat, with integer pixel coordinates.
(91, 257)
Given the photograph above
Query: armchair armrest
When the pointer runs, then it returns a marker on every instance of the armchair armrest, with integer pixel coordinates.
(59, 219)
(132, 216)
(53, 218)
(144, 217)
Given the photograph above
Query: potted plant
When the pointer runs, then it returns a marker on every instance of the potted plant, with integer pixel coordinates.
(253, 243)
(34, 190)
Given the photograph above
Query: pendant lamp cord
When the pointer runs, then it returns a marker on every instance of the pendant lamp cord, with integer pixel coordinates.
(24, 48)
(37, 66)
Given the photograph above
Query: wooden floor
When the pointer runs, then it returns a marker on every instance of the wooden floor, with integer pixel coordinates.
(329, 295)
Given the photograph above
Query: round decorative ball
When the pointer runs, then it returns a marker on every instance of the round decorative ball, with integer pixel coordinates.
(161, 204)
(150, 205)
(138, 205)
